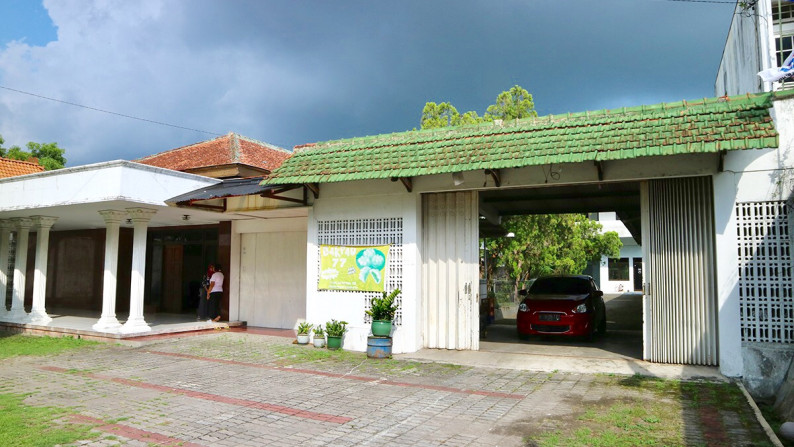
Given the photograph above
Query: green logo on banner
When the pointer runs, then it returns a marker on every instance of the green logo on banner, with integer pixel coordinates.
(353, 268)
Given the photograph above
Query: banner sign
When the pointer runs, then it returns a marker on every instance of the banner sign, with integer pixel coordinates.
(353, 268)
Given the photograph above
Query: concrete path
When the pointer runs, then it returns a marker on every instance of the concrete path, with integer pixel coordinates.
(249, 389)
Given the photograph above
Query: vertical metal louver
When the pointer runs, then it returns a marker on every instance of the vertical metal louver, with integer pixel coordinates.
(450, 270)
(680, 301)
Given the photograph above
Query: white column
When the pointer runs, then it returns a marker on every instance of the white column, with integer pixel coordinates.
(140, 219)
(38, 314)
(5, 232)
(17, 313)
(108, 321)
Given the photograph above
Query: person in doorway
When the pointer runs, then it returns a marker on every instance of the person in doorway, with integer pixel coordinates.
(216, 293)
(204, 294)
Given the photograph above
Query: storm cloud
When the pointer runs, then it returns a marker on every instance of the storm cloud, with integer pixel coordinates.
(291, 72)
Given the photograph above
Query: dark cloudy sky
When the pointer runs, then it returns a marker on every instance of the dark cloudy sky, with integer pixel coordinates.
(292, 72)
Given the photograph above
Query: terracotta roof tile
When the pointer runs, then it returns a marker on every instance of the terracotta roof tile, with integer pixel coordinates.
(228, 149)
(13, 168)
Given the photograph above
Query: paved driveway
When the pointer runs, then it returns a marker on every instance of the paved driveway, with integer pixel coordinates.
(235, 389)
(623, 340)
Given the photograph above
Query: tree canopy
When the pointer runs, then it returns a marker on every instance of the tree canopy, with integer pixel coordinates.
(48, 155)
(544, 244)
(511, 104)
(550, 244)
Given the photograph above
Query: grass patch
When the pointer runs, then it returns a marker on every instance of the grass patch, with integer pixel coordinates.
(775, 421)
(295, 355)
(24, 425)
(620, 424)
(650, 413)
(17, 345)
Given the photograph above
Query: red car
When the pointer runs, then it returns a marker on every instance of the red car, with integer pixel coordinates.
(562, 305)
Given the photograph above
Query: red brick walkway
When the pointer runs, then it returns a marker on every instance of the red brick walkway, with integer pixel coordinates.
(132, 432)
(344, 376)
(213, 397)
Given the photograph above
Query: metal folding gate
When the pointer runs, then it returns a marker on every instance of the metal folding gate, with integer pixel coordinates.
(450, 270)
(680, 287)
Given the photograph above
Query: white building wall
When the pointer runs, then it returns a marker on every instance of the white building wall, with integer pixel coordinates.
(367, 200)
(749, 48)
(610, 222)
(748, 176)
(629, 250)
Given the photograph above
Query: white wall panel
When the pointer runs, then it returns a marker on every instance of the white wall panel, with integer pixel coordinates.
(272, 278)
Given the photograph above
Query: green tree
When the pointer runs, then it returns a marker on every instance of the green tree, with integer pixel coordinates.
(512, 104)
(549, 244)
(439, 115)
(509, 105)
(49, 155)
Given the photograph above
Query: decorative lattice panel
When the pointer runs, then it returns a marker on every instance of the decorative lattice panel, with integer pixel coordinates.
(765, 289)
(379, 231)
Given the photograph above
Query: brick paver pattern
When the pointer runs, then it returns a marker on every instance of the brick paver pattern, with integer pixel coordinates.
(237, 389)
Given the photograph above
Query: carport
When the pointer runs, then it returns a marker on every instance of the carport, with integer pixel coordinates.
(657, 166)
(624, 338)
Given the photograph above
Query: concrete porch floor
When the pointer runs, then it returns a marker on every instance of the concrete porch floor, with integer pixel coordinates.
(78, 323)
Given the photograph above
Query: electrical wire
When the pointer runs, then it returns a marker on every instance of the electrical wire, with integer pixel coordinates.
(108, 111)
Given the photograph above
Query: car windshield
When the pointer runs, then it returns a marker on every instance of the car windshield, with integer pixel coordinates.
(560, 286)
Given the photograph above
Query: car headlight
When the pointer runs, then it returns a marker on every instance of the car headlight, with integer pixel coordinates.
(580, 309)
(523, 307)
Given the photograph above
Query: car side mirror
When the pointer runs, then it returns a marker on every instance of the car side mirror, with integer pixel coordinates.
(599, 293)
(522, 292)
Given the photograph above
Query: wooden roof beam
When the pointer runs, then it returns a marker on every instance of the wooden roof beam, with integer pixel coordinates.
(495, 175)
(314, 188)
(600, 170)
(406, 181)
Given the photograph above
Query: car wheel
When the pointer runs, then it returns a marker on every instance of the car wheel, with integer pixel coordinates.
(602, 325)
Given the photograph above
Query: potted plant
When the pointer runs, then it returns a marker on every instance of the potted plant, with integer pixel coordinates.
(335, 330)
(303, 332)
(319, 336)
(382, 313)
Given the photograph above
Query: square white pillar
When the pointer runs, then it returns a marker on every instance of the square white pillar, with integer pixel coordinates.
(5, 233)
(140, 219)
(17, 313)
(108, 321)
(38, 314)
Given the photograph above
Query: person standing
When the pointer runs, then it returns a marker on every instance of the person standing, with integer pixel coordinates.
(204, 294)
(216, 293)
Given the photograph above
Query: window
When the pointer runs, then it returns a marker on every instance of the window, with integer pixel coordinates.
(619, 269)
(784, 11)
(783, 46)
(560, 286)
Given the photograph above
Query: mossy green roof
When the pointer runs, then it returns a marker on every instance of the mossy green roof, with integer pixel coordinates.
(685, 127)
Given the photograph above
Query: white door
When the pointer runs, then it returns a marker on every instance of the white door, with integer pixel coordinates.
(680, 287)
(450, 270)
(273, 278)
